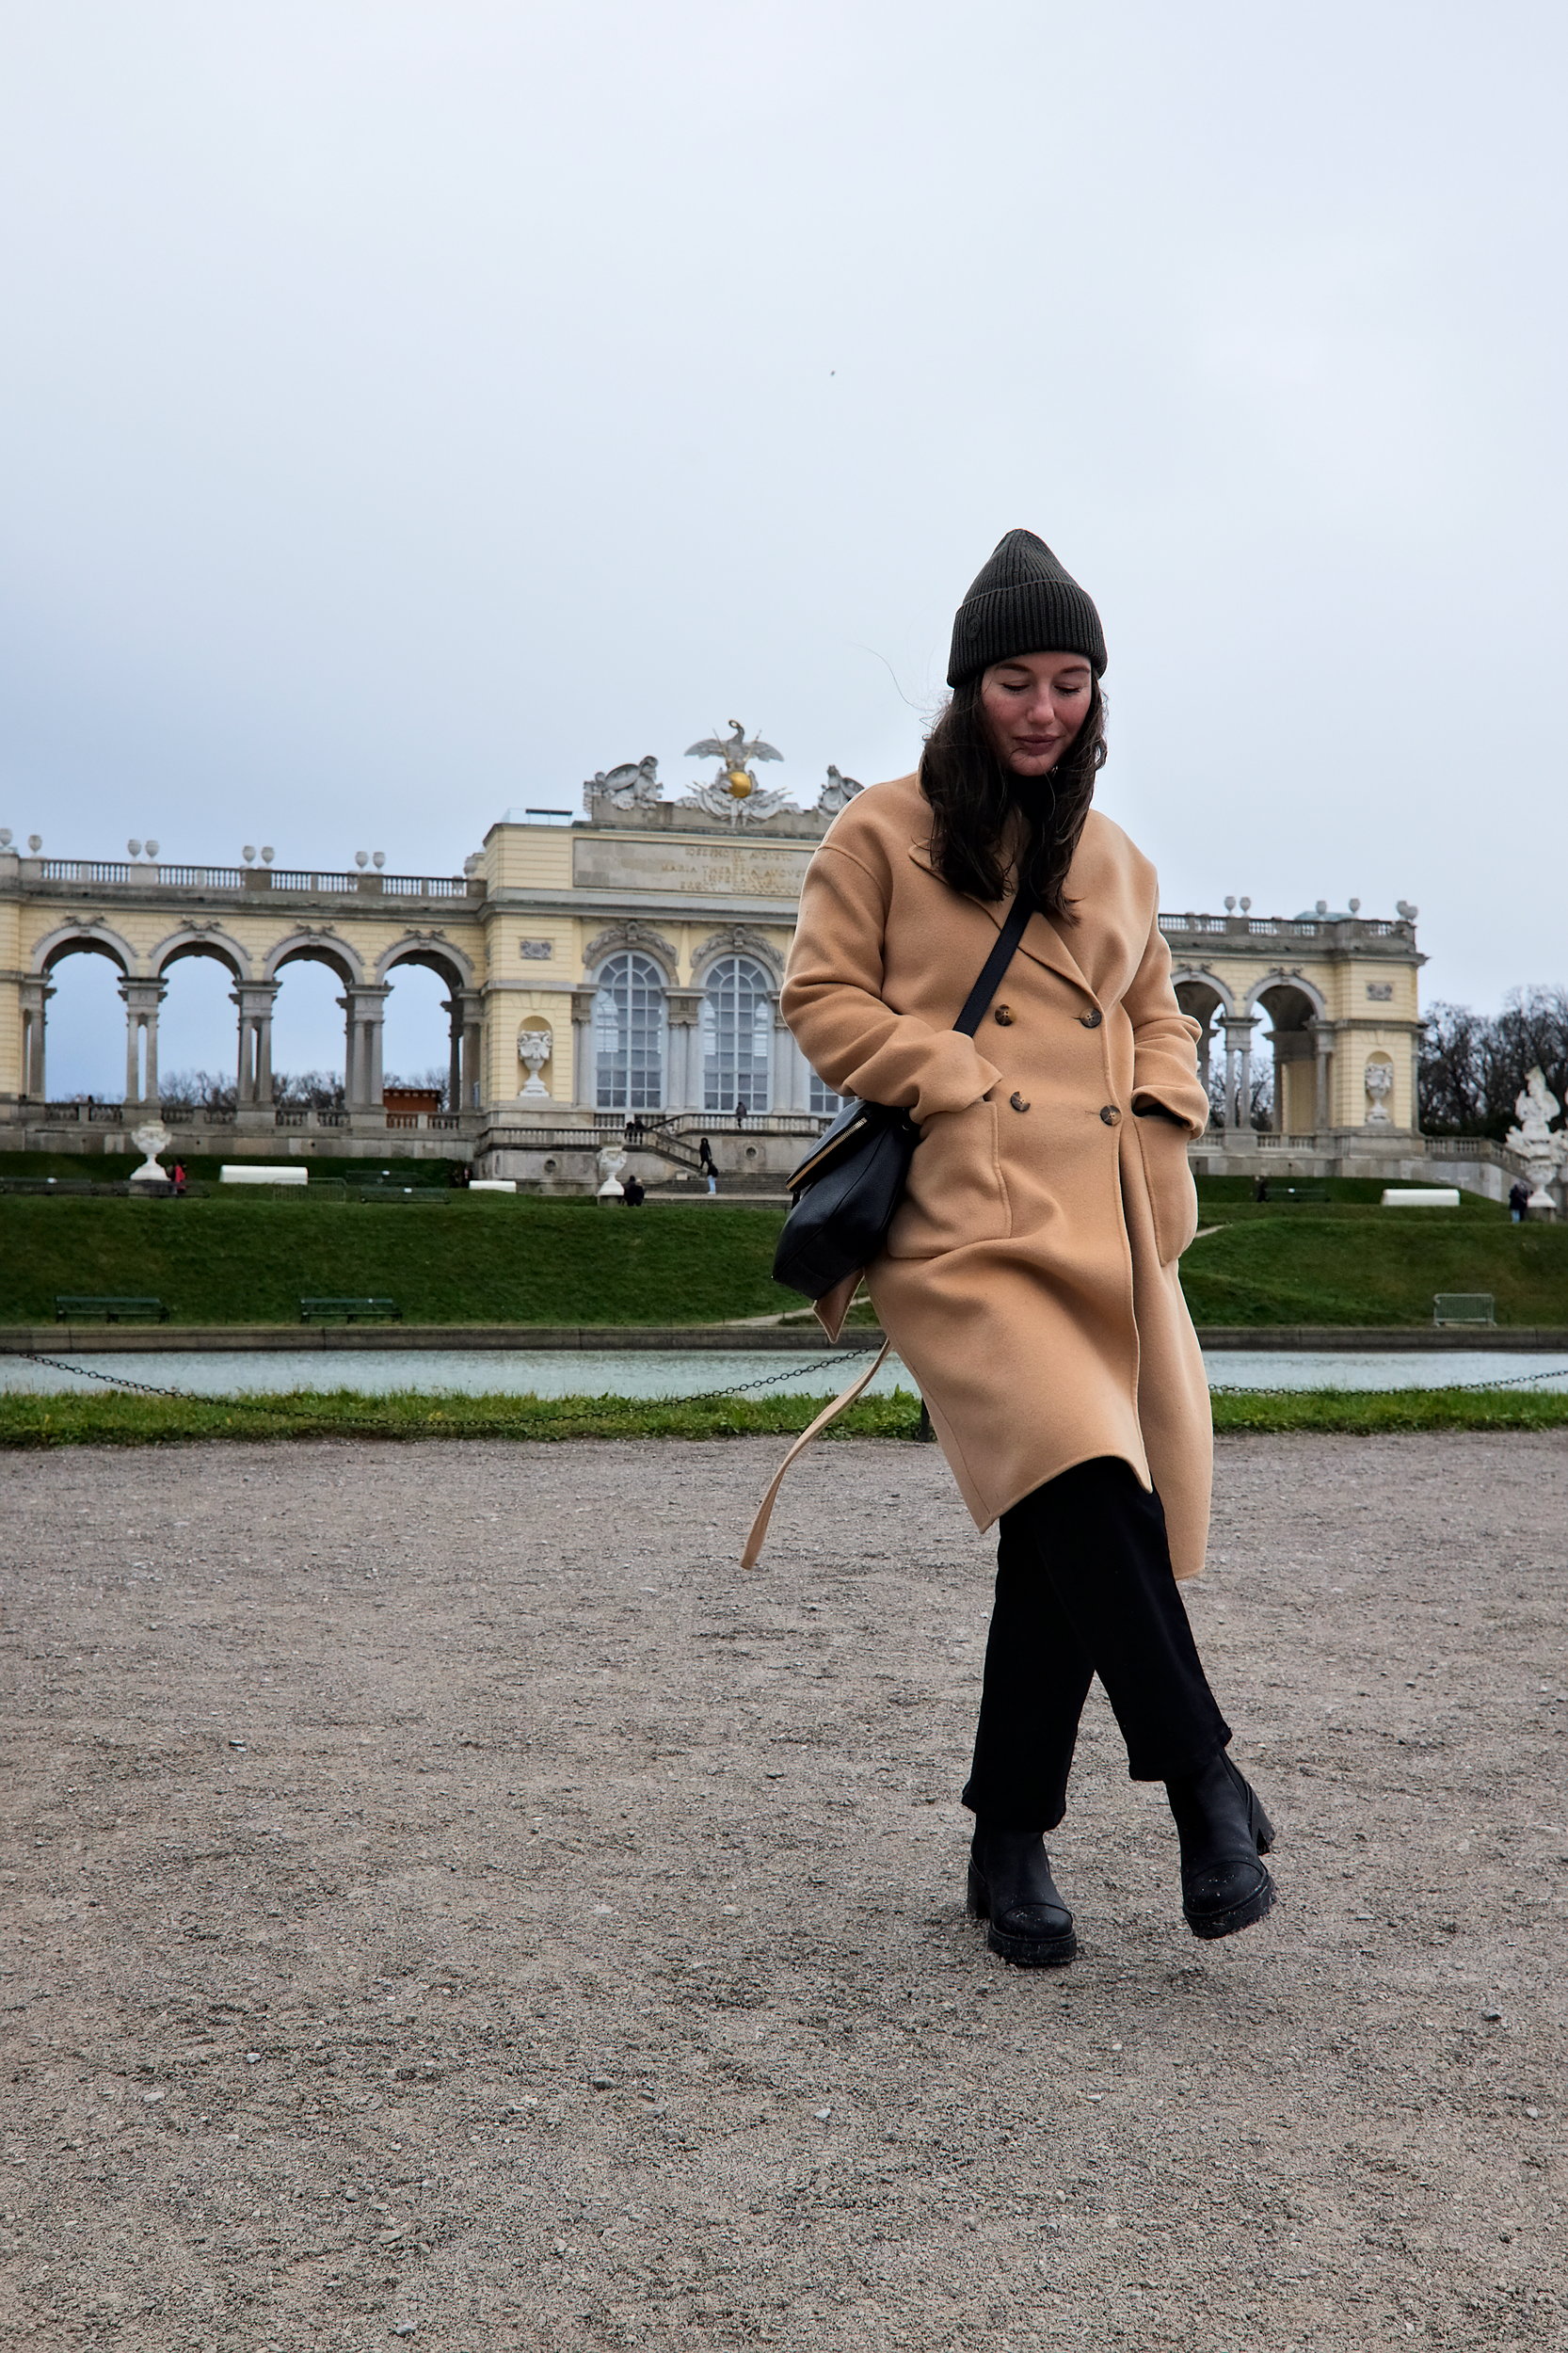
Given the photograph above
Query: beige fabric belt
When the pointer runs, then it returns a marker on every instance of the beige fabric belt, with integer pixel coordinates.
(760, 1525)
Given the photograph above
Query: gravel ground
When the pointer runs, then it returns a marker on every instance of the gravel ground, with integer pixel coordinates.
(449, 1903)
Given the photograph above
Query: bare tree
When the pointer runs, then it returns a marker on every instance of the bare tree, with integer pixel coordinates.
(192, 1090)
(1472, 1065)
(1451, 1071)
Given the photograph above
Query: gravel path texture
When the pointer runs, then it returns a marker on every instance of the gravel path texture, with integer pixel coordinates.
(449, 1903)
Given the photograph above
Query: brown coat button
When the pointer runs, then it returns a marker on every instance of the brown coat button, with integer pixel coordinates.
(1017, 1102)
(1109, 1114)
(1004, 1015)
(1092, 1019)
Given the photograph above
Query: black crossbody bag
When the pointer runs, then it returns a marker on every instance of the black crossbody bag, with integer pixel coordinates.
(852, 1180)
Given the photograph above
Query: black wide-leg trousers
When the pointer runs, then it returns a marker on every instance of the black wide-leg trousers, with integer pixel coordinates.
(1085, 1587)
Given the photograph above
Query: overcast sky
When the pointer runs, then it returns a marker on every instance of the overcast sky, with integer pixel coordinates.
(411, 409)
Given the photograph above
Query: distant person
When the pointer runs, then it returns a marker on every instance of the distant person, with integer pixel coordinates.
(705, 1163)
(741, 1110)
(1260, 1189)
(178, 1177)
(1518, 1200)
(1031, 1280)
(636, 1128)
(633, 1193)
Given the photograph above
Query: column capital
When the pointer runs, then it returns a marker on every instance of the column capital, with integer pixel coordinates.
(142, 996)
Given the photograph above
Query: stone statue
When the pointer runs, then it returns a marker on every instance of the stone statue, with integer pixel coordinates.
(1543, 1151)
(612, 1159)
(634, 785)
(534, 1047)
(837, 793)
(735, 792)
(1380, 1087)
(149, 1140)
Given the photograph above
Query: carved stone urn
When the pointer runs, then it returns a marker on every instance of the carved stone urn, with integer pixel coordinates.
(534, 1048)
(150, 1138)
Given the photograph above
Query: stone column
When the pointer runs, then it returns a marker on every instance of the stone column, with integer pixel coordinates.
(1323, 1038)
(583, 1078)
(472, 1060)
(683, 1028)
(364, 1007)
(141, 999)
(1239, 1030)
(255, 999)
(788, 1067)
(35, 993)
(453, 1013)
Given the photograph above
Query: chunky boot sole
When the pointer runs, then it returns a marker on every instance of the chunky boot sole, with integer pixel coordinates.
(1209, 1925)
(1024, 1952)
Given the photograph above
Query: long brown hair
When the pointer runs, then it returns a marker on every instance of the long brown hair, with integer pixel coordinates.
(985, 822)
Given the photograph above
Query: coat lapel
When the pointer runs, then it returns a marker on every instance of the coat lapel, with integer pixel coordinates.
(1041, 939)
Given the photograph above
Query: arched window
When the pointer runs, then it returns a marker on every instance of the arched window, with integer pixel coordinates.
(628, 1035)
(737, 1036)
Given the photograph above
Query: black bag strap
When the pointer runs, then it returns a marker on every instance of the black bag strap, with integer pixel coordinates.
(996, 965)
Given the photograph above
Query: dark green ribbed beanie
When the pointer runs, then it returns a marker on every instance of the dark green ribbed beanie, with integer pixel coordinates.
(1022, 601)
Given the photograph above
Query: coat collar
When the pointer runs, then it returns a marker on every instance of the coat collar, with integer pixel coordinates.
(1041, 939)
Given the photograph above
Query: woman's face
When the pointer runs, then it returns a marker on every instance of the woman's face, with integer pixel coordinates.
(1034, 704)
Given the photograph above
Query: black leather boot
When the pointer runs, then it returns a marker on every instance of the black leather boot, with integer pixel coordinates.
(1224, 1831)
(1011, 1886)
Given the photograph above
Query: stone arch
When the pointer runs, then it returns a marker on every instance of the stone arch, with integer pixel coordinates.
(639, 938)
(76, 937)
(1294, 1007)
(82, 938)
(449, 964)
(323, 947)
(197, 940)
(1279, 979)
(431, 954)
(1208, 1000)
(738, 939)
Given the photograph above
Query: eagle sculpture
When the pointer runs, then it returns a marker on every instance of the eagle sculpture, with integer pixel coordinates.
(735, 788)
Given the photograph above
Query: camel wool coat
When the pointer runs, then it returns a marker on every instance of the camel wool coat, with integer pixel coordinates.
(1030, 1280)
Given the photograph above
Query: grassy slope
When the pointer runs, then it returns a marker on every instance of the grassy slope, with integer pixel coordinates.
(1374, 1268)
(475, 1258)
(490, 1258)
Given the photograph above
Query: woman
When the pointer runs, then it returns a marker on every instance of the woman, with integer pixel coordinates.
(1030, 1279)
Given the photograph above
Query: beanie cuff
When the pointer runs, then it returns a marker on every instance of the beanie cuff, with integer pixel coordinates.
(1041, 616)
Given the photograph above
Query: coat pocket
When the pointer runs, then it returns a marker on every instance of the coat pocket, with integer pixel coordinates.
(1168, 1180)
(955, 1194)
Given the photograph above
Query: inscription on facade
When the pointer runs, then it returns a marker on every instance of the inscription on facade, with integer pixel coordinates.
(722, 870)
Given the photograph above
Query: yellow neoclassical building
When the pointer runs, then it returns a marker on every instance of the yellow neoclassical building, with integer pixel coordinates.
(624, 968)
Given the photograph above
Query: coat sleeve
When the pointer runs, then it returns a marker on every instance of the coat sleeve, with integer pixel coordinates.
(832, 1002)
(1164, 1040)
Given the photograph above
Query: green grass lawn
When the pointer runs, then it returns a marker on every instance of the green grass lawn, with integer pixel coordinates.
(106, 1418)
(237, 1257)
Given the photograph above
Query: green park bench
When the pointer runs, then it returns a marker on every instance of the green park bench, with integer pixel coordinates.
(1298, 1193)
(429, 1194)
(91, 1306)
(350, 1311)
(1464, 1307)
